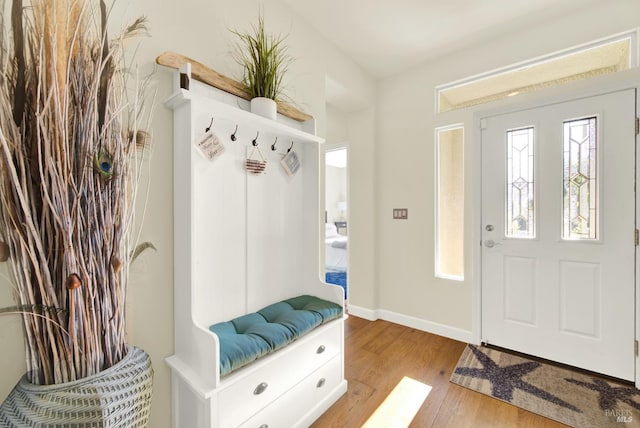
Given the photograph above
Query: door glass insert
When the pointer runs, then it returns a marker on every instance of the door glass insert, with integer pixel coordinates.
(520, 184)
(580, 206)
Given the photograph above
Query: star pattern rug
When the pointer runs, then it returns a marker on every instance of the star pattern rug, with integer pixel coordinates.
(574, 398)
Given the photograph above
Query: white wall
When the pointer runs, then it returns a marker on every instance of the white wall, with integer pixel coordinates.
(363, 289)
(353, 121)
(405, 161)
(337, 125)
(335, 191)
(335, 181)
(199, 29)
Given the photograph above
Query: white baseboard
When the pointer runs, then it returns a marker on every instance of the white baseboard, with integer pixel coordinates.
(357, 311)
(413, 322)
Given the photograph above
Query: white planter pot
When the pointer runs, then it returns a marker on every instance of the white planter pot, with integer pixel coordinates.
(265, 107)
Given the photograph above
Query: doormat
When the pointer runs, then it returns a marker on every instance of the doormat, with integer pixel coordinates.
(574, 398)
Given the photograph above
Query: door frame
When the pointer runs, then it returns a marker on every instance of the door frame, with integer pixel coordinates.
(330, 148)
(629, 79)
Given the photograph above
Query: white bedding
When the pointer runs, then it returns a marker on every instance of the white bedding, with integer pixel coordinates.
(335, 255)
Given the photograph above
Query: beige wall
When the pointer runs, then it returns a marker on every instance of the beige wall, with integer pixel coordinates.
(363, 289)
(199, 29)
(335, 180)
(335, 191)
(405, 160)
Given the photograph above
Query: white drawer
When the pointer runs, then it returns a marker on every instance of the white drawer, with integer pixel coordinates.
(253, 388)
(287, 411)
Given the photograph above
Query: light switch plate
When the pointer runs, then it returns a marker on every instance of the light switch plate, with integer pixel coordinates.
(400, 213)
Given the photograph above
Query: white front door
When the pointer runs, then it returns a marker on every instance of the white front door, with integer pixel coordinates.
(558, 246)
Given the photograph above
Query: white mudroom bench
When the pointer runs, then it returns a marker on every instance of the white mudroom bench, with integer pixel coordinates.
(247, 270)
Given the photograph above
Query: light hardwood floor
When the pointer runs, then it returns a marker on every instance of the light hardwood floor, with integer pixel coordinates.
(379, 354)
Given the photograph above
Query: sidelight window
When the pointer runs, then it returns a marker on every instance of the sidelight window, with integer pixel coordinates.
(450, 203)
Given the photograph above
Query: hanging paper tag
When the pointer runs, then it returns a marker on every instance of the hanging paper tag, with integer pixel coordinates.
(290, 163)
(210, 146)
(255, 166)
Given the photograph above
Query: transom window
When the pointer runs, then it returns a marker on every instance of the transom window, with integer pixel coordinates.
(609, 55)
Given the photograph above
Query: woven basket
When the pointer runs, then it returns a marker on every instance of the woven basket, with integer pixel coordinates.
(119, 396)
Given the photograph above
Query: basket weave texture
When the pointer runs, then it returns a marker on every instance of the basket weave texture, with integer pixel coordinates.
(119, 396)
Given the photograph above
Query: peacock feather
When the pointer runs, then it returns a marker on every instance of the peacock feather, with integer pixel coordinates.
(103, 164)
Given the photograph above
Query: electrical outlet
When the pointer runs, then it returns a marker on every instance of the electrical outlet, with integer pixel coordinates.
(400, 213)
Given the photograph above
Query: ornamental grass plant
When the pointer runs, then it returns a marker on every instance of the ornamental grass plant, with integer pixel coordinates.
(73, 133)
(264, 60)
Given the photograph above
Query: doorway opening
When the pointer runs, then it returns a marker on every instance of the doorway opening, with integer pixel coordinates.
(336, 217)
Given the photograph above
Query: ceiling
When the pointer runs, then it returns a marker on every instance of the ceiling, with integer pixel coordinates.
(387, 37)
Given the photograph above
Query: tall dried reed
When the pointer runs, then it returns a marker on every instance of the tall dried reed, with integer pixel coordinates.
(72, 136)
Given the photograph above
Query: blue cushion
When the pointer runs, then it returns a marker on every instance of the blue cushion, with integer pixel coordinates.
(237, 350)
(251, 336)
(297, 322)
(275, 335)
(326, 310)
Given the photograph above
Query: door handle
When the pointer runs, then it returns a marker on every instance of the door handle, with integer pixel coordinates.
(490, 243)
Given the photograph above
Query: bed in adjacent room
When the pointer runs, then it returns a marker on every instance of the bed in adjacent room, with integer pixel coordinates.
(336, 257)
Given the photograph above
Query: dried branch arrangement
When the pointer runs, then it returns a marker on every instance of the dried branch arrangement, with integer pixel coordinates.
(72, 137)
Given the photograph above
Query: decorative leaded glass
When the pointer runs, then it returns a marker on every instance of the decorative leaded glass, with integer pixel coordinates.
(580, 207)
(520, 207)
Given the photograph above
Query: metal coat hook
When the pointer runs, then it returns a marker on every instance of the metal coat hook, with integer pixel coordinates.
(273, 146)
(208, 128)
(255, 140)
(233, 136)
(291, 147)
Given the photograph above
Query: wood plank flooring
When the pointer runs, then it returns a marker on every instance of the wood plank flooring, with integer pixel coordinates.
(379, 354)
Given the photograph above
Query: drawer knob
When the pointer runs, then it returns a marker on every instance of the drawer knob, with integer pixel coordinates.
(260, 388)
(320, 383)
(264, 426)
(320, 349)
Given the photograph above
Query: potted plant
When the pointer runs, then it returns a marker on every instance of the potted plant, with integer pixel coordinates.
(264, 60)
(72, 137)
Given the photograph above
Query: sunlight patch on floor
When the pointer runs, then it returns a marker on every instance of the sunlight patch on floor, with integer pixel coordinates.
(400, 406)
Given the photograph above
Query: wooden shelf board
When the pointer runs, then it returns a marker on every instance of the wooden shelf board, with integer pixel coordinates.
(211, 77)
